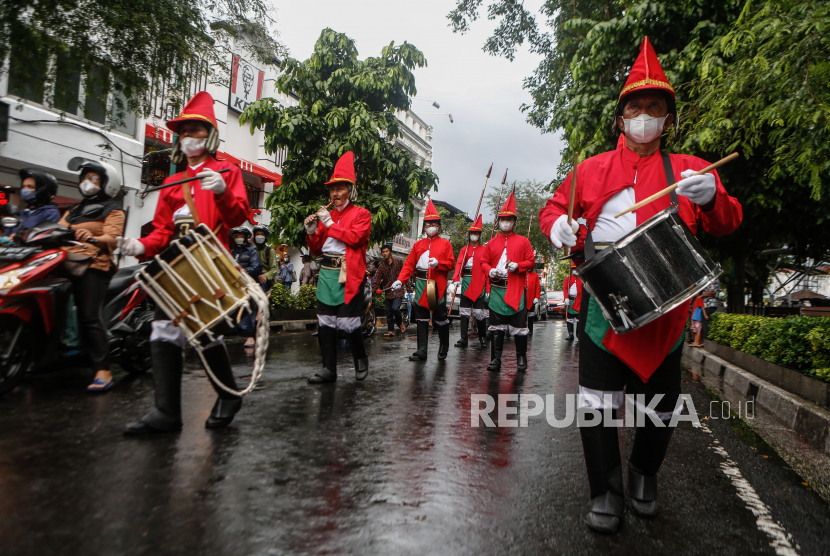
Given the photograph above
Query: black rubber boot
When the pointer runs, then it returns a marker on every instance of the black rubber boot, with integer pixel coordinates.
(465, 329)
(482, 333)
(570, 337)
(327, 338)
(601, 447)
(361, 362)
(167, 376)
(227, 405)
(521, 353)
(423, 339)
(495, 351)
(650, 446)
(444, 339)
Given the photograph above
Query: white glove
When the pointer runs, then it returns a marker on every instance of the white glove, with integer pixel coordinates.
(698, 189)
(535, 301)
(311, 229)
(494, 273)
(212, 181)
(433, 262)
(130, 246)
(325, 217)
(562, 234)
(512, 267)
(567, 302)
(396, 285)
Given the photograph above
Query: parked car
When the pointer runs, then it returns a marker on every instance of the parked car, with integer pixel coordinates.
(556, 303)
(452, 311)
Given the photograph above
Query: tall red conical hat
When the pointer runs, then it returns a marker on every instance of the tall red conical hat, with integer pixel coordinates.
(344, 170)
(477, 226)
(509, 208)
(199, 108)
(431, 213)
(647, 73)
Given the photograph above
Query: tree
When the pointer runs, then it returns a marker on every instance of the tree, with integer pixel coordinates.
(133, 48)
(346, 104)
(530, 198)
(456, 228)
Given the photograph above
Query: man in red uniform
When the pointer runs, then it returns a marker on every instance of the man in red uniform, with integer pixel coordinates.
(534, 290)
(644, 361)
(473, 284)
(220, 202)
(431, 258)
(341, 237)
(506, 260)
(572, 290)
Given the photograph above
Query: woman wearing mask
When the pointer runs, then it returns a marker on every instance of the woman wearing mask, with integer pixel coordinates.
(247, 257)
(37, 191)
(98, 218)
(267, 256)
(289, 270)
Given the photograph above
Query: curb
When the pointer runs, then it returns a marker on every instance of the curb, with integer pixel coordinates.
(293, 325)
(807, 419)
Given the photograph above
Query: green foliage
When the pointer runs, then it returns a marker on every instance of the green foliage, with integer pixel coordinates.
(800, 343)
(346, 104)
(306, 297)
(530, 198)
(456, 228)
(379, 302)
(134, 48)
(560, 274)
(281, 297)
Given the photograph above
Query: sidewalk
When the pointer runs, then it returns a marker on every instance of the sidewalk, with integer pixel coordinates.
(798, 429)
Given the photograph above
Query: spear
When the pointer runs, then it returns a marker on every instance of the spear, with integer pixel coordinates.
(478, 208)
(529, 225)
(567, 249)
(498, 205)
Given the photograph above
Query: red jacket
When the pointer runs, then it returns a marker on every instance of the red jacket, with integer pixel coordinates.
(352, 226)
(520, 252)
(534, 289)
(478, 280)
(438, 248)
(566, 286)
(227, 211)
(603, 176)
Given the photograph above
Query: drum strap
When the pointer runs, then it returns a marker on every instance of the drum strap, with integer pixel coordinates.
(590, 250)
(188, 199)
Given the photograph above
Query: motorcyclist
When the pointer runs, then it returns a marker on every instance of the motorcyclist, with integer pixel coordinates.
(37, 191)
(97, 217)
(245, 254)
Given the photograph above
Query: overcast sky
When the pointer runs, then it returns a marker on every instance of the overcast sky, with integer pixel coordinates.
(483, 93)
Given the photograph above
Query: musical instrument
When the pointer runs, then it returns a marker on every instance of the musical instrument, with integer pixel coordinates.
(648, 272)
(673, 186)
(432, 294)
(171, 184)
(201, 288)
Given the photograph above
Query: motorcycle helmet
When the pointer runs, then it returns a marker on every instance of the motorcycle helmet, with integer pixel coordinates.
(262, 228)
(240, 230)
(46, 186)
(110, 178)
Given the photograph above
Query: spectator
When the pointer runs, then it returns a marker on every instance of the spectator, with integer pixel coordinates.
(290, 275)
(267, 256)
(386, 274)
(247, 257)
(698, 314)
(37, 191)
(307, 273)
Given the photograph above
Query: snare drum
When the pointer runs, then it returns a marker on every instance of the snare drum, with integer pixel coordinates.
(648, 272)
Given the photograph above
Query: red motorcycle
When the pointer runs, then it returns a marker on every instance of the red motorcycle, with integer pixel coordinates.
(38, 326)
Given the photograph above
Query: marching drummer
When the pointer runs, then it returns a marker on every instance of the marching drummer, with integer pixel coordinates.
(218, 201)
(507, 259)
(572, 291)
(646, 360)
(473, 285)
(341, 236)
(431, 258)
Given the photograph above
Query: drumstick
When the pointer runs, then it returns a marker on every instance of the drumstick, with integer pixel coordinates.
(673, 186)
(150, 190)
(571, 201)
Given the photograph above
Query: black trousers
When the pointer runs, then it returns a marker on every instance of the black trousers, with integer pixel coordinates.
(90, 292)
(422, 313)
(393, 313)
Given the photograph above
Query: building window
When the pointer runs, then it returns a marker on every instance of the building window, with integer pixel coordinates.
(413, 225)
(253, 196)
(67, 85)
(27, 74)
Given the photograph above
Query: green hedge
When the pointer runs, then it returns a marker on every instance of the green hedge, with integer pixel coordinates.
(800, 343)
(282, 298)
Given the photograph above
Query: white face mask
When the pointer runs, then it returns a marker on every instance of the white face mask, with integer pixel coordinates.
(644, 128)
(432, 231)
(88, 189)
(239, 240)
(259, 240)
(192, 147)
(505, 225)
(474, 237)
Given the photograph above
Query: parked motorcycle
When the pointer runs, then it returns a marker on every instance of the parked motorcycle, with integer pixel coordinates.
(38, 325)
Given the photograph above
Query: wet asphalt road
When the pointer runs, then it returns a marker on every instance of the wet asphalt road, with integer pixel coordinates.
(388, 466)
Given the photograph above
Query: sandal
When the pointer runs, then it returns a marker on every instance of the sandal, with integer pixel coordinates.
(100, 385)
(389, 335)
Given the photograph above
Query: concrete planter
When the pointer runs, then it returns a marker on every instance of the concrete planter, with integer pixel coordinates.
(293, 314)
(792, 381)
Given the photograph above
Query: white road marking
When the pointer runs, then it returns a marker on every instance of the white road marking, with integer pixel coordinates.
(779, 538)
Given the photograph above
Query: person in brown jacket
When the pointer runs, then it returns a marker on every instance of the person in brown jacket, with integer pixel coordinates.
(97, 221)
